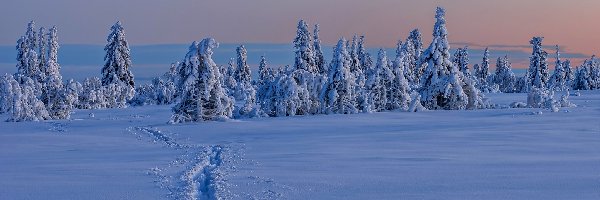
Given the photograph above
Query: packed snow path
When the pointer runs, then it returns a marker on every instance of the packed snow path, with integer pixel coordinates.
(204, 178)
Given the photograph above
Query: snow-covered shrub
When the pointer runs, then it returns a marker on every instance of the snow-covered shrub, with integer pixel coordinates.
(542, 98)
(92, 95)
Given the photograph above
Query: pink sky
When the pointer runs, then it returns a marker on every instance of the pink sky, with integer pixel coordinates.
(485, 22)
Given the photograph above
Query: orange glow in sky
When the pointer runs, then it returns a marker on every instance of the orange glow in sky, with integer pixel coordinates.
(571, 24)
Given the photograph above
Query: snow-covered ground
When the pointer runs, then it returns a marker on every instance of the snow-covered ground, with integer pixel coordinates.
(483, 154)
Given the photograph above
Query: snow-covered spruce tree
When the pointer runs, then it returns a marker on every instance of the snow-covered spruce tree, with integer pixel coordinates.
(243, 77)
(537, 80)
(188, 69)
(206, 99)
(376, 83)
(558, 80)
(242, 72)
(399, 97)
(587, 76)
(228, 74)
(461, 61)
(8, 88)
(54, 95)
(26, 105)
(117, 65)
(305, 73)
(42, 54)
(417, 69)
(319, 59)
(406, 52)
(267, 88)
(245, 90)
(521, 83)
(482, 73)
(366, 67)
(339, 92)
(27, 61)
(538, 65)
(505, 78)
(441, 83)
(28, 64)
(305, 59)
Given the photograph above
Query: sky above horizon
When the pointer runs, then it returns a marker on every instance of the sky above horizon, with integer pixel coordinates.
(506, 24)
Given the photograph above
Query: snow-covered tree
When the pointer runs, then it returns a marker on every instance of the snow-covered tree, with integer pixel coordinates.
(482, 73)
(267, 88)
(319, 59)
(72, 90)
(26, 105)
(338, 96)
(188, 69)
(399, 97)
(538, 65)
(242, 72)
(8, 89)
(42, 52)
(54, 95)
(504, 77)
(206, 99)
(244, 88)
(562, 76)
(91, 95)
(461, 61)
(27, 61)
(376, 83)
(405, 54)
(305, 59)
(305, 72)
(587, 76)
(441, 83)
(417, 69)
(117, 60)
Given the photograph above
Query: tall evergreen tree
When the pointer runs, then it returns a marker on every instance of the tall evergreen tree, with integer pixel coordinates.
(482, 73)
(117, 60)
(242, 72)
(305, 59)
(442, 83)
(417, 67)
(505, 78)
(338, 96)
(538, 65)
(376, 83)
(42, 54)
(399, 97)
(562, 76)
(319, 59)
(206, 99)
(55, 97)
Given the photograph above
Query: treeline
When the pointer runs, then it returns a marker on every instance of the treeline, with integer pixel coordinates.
(353, 81)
